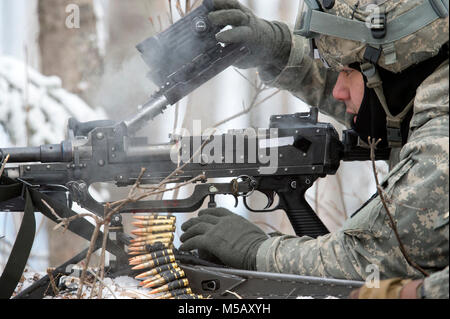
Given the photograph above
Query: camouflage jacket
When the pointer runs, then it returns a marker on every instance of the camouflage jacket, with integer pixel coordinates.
(416, 189)
(436, 285)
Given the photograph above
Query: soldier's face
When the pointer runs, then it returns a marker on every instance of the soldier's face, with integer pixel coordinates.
(349, 88)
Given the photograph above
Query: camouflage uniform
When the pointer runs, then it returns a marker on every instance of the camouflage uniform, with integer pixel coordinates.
(416, 190)
(436, 286)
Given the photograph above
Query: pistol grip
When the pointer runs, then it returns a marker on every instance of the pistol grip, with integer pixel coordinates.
(304, 220)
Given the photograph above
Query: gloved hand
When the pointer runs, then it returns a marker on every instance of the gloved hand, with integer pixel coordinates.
(229, 237)
(269, 42)
(395, 288)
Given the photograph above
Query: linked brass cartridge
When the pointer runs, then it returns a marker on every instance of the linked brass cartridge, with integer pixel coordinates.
(165, 278)
(157, 270)
(153, 230)
(154, 255)
(160, 275)
(174, 285)
(188, 296)
(153, 222)
(153, 217)
(173, 293)
(166, 240)
(152, 236)
(156, 262)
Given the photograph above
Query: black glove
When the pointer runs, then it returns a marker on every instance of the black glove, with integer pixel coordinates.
(269, 42)
(228, 237)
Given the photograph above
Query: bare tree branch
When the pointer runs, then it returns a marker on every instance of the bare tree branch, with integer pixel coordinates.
(373, 145)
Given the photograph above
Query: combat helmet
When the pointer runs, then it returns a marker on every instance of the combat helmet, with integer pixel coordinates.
(388, 34)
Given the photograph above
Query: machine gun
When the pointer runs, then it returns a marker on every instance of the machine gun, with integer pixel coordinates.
(284, 160)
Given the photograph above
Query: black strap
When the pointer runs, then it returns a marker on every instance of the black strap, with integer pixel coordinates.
(39, 288)
(25, 237)
(22, 246)
(79, 226)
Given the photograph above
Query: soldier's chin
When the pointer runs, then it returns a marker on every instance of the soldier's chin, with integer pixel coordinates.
(355, 116)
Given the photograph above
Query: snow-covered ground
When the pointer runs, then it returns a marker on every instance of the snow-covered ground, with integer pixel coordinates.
(118, 288)
(123, 287)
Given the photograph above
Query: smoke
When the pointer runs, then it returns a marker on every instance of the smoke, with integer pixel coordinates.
(123, 87)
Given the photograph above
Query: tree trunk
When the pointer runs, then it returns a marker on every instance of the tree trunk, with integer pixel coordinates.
(71, 54)
(70, 50)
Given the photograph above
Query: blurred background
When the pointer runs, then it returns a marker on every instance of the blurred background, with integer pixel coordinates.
(77, 58)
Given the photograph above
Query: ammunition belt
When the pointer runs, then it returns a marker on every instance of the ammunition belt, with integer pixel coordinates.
(152, 252)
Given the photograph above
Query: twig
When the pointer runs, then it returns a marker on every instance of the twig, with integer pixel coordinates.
(246, 78)
(316, 197)
(138, 181)
(4, 164)
(338, 180)
(66, 221)
(170, 12)
(373, 146)
(194, 4)
(187, 6)
(102, 255)
(88, 259)
(103, 283)
(52, 280)
(180, 11)
(253, 105)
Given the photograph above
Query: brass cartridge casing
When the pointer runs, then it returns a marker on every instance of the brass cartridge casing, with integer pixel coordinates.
(165, 278)
(157, 270)
(153, 217)
(153, 222)
(153, 229)
(151, 256)
(173, 293)
(174, 285)
(156, 262)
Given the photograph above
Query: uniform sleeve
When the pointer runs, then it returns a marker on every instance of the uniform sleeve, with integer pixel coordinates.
(436, 285)
(308, 80)
(416, 192)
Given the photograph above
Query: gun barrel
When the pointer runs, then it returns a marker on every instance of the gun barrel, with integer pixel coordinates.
(46, 153)
(155, 106)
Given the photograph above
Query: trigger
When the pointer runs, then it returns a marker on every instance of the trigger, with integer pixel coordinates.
(270, 198)
(235, 201)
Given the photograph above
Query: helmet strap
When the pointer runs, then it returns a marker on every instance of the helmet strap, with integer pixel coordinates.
(393, 123)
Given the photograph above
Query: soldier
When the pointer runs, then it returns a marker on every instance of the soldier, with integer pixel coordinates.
(382, 70)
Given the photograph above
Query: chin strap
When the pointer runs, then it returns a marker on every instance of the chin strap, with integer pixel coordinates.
(393, 123)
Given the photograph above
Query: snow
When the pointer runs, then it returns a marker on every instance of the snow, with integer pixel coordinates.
(122, 287)
(36, 111)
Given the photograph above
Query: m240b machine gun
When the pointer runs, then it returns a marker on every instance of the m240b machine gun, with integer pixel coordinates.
(283, 160)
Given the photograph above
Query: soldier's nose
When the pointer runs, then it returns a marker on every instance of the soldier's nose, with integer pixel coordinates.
(341, 91)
